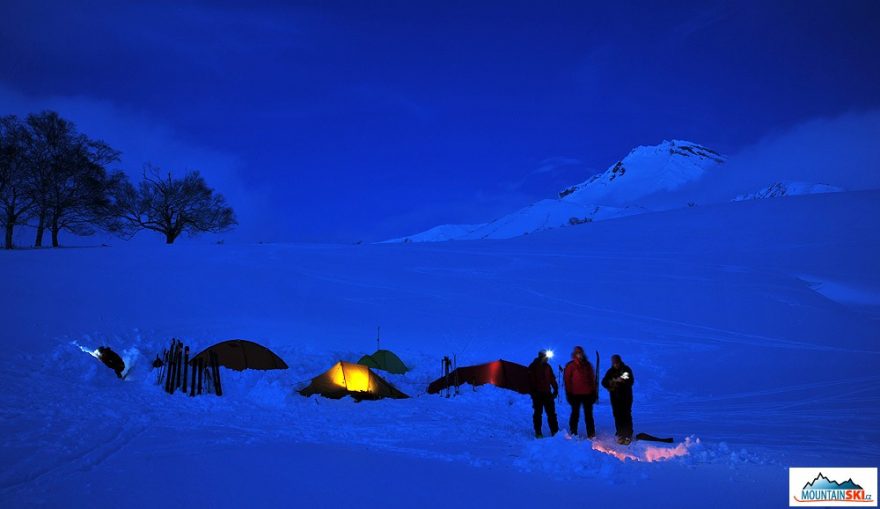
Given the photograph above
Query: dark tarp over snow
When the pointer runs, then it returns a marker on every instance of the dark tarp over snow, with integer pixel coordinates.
(240, 354)
(504, 374)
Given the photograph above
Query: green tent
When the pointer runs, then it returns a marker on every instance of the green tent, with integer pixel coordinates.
(385, 360)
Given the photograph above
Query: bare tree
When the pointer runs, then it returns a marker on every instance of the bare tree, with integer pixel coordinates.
(15, 198)
(170, 206)
(50, 138)
(78, 192)
(69, 178)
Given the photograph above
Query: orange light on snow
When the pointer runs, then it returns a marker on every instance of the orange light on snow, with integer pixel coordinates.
(649, 454)
(621, 455)
(653, 453)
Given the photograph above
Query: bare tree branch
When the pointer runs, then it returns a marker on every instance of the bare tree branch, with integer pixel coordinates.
(171, 206)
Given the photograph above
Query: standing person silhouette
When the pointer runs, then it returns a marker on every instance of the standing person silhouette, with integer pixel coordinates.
(619, 381)
(580, 391)
(543, 389)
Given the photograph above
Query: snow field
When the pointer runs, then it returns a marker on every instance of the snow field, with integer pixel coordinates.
(736, 352)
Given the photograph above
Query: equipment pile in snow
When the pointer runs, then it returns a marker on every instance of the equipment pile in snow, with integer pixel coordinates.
(196, 376)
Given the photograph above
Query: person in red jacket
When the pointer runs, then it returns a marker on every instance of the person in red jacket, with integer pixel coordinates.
(543, 388)
(580, 390)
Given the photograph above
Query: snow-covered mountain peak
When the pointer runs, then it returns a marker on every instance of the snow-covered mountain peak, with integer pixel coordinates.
(671, 148)
(646, 170)
(642, 181)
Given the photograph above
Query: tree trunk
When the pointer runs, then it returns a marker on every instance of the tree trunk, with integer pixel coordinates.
(10, 225)
(55, 231)
(41, 227)
(170, 237)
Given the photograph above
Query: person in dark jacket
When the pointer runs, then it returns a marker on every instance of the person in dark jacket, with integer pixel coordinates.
(543, 388)
(619, 381)
(580, 391)
(111, 359)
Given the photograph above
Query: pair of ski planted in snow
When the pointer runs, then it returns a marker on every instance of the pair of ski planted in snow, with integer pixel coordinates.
(196, 376)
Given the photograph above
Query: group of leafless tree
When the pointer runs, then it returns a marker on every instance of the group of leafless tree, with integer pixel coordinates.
(54, 178)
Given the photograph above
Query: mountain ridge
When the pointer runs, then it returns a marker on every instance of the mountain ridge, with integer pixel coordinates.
(651, 178)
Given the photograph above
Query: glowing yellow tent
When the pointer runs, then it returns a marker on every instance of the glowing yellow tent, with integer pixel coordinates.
(355, 380)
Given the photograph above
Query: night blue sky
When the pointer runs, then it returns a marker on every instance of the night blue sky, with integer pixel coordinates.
(340, 121)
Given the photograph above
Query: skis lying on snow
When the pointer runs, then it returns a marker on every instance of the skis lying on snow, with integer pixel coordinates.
(652, 438)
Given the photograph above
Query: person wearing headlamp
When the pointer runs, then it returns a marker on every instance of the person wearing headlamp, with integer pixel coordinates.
(543, 389)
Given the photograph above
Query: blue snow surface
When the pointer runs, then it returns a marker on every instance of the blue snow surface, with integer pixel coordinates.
(751, 327)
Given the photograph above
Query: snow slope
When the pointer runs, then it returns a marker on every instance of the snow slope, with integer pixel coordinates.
(441, 233)
(543, 215)
(745, 343)
(643, 181)
(780, 189)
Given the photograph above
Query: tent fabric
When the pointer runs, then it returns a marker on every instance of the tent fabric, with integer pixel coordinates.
(355, 380)
(385, 360)
(504, 374)
(240, 354)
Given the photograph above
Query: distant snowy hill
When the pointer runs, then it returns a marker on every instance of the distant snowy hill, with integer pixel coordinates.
(441, 233)
(544, 215)
(643, 181)
(780, 189)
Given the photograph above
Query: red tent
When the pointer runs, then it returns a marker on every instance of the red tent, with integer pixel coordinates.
(504, 374)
